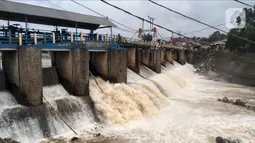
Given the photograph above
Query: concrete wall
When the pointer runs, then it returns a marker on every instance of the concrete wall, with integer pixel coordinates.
(181, 58)
(11, 66)
(80, 65)
(155, 62)
(30, 75)
(145, 56)
(189, 56)
(110, 65)
(169, 56)
(2, 81)
(117, 59)
(99, 64)
(63, 61)
(162, 57)
(23, 72)
(53, 61)
(73, 70)
(174, 53)
(133, 59)
(151, 58)
(50, 76)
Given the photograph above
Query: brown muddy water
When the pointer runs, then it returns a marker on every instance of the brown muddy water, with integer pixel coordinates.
(176, 106)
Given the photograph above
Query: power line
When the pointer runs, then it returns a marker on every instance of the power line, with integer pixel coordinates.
(145, 19)
(102, 15)
(161, 36)
(243, 3)
(202, 22)
(207, 28)
(56, 5)
(88, 8)
(91, 10)
(125, 30)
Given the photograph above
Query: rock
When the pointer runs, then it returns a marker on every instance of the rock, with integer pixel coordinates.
(8, 140)
(249, 107)
(226, 141)
(239, 102)
(225, 99)
(219, 140)
(74, 138)
(97, 135)
(219, 100)
(223, 140)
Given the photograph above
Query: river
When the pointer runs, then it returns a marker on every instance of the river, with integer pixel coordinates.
(176, 106)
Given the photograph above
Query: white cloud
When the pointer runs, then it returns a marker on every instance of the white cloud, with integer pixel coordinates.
(211, 12)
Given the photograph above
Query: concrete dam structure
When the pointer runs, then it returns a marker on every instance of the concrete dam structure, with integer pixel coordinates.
(25, 76)
(70, 86)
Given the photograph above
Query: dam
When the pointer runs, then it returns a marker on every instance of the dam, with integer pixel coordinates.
(68, 87)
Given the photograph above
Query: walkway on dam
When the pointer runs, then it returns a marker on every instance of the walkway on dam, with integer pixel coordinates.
(74, 55)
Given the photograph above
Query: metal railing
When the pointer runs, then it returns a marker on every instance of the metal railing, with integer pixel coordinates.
(57, 37)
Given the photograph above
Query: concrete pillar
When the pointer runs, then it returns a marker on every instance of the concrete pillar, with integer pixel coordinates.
(145, 56)
(133, 59)
(73, 70)
(151, 58)
(189, 56)
(53, 59)
(117, 59)
(110, 65)
(99, 64)
(162, 57)
(23, 69)
(174, 53)
(169, 56)
(181, 58)
(155, 62)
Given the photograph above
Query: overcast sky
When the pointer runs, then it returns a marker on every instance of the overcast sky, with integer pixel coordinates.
(208, 11)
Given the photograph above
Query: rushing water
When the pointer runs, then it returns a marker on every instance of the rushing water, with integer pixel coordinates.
(174, 106)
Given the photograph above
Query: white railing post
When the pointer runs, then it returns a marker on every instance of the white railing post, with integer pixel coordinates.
(35, 39)
(97, 37)
(20, 39)
(81, 36)
(107, 37)
(71, 36)
(53, 38)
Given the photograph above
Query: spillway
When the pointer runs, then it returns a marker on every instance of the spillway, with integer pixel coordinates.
(174, 106)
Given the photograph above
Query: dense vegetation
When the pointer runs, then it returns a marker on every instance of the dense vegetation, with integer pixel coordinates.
(248, 32)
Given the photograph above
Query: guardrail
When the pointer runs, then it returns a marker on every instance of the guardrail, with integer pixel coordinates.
(53, 37)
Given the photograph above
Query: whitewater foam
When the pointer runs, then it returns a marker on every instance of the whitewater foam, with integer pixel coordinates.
(174, 106)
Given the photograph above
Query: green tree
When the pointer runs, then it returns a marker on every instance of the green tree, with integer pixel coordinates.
(248, 32)
(216, 36)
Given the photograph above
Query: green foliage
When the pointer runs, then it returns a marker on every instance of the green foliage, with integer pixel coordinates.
(248, 32)
(216, 36)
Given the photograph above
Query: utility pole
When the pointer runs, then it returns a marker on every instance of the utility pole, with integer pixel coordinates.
(142, 24)
(151, 20)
